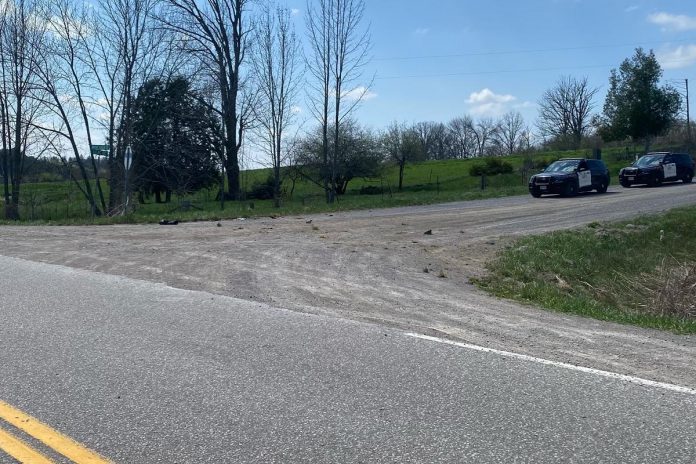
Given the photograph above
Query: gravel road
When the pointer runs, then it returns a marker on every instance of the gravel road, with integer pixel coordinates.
(370, 266)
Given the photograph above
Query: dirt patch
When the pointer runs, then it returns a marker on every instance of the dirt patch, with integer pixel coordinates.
(369, 266)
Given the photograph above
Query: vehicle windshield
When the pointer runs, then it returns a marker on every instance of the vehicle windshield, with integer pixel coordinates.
(563, 166)
(649, 161)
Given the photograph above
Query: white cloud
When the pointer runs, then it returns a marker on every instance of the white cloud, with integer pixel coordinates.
(422, 31)
(358, 93)
(296, 110)
(681, 57)
(632, 8)
(523, 105)
(671, 22)
(295, 11)
(488, 103)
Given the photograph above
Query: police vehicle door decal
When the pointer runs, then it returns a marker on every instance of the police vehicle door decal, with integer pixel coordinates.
(584, 178)
(670, 170)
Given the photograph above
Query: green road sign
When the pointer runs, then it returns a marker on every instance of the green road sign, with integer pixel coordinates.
(100, 150)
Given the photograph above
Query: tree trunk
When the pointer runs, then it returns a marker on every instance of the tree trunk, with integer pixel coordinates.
(12, 209)
(276, 186)
(232, 170)
(115, 184)
(402, 163)
(16, 165)
(6, 178)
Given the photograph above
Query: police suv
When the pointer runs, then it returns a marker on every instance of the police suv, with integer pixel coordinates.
(569, 176)
(654, 168)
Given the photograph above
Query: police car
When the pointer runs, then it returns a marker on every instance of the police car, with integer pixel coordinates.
(654, 168)
(569, 176)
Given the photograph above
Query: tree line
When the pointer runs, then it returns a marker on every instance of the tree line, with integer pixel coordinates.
(73, 74)
(184, 84)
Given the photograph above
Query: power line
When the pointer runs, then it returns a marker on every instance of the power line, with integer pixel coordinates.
(506, 71)
(514, 52)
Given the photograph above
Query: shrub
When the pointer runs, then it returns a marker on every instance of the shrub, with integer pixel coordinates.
(492, 167)
(262, 190)
(477, 170)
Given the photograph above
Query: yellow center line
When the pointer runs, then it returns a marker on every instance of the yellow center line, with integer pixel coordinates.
(50, 437)
(20, 450)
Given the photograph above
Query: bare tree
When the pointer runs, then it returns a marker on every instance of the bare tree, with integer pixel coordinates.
(526, 139)
(106, 51)
(436, 141)
(275, 61)
(21, 39)
(424, 131)
(5, 123)
(214, 31)
(441, 142)
(128, 50)
(510, 132)
(462, 136)
(484, 132)
(65, 81)
(401, 145)
(565, 110)
(338, 54)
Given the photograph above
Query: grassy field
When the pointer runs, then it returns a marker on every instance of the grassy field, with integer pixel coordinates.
(424, 183)
(640, 272)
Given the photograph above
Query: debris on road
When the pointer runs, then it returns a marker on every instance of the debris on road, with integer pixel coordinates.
(167, 222)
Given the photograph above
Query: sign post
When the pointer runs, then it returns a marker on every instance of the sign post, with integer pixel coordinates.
(127, 162)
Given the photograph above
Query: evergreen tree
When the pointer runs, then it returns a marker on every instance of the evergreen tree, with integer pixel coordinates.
(636, 106)
(176, 139)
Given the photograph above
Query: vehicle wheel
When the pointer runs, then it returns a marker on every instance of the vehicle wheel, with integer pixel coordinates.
(535, 193)
(655, 181)
(625, 184)
(570, 190)
(688, 178)
(603, 186)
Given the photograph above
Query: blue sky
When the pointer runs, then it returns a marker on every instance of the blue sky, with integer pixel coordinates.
(445, 58)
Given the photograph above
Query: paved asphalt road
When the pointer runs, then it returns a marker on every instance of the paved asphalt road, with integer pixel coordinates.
(144, 373)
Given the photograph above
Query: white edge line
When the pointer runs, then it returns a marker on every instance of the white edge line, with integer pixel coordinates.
(588, 370)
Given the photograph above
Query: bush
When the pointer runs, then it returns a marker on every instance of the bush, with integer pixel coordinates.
(262, 190)
(492, 167)
(49, 177)
(477, 170)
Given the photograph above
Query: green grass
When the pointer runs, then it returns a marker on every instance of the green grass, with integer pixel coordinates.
(424, 183)
(598, 271)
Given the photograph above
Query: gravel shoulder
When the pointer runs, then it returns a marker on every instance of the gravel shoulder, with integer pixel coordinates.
(370, 266)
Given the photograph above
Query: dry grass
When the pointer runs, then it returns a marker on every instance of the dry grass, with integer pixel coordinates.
(670, 290)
